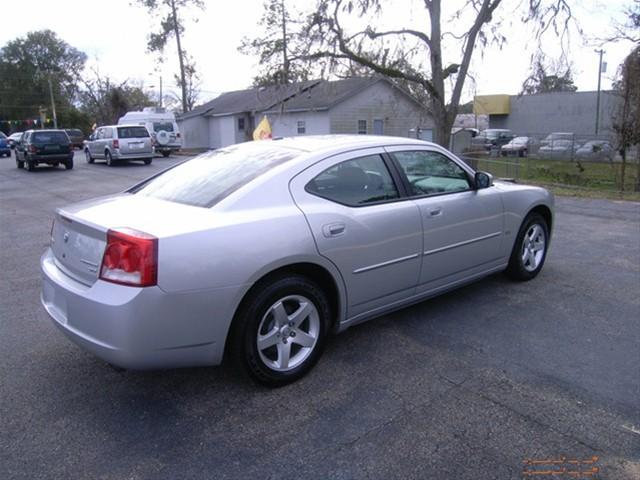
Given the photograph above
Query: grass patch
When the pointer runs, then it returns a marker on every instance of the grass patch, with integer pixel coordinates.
(566, 177)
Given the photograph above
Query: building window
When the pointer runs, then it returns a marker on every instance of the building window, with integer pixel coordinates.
(378, 126)
(302, 127)
(241, 124)
(362, 127)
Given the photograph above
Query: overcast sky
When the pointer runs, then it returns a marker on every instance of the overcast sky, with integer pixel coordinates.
(113, 34)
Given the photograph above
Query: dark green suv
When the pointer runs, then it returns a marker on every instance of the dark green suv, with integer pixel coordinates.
(51, 147)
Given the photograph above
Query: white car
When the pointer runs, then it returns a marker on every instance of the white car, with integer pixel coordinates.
(520, 146)
(261, 249)
(596, 150)
(161, 125)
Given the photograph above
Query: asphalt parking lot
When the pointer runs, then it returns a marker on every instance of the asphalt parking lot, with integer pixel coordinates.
(470, 385)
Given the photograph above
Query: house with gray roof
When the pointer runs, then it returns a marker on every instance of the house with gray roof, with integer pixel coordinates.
(353, 105)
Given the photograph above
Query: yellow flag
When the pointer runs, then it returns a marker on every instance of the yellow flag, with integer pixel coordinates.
(263, 130)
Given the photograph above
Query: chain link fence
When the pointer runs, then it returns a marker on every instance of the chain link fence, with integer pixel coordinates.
(562, 160)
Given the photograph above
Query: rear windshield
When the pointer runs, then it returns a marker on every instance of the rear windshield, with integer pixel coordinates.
(209, 178)
(166, 126)
(75, 132)
(50, 137)
(132, 132)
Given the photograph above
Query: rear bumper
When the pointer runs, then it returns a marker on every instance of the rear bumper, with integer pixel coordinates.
(50, 158)
(137, 328)
(132, 156)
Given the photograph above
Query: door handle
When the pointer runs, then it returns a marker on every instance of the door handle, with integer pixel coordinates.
(333, 229)
(434, 212)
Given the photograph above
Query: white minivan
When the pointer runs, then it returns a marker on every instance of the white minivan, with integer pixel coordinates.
(161, 125)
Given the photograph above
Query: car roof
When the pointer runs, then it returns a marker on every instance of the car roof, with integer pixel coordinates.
(318, 143)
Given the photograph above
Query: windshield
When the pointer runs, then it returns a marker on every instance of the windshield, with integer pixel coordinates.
(132, 132)
(209, 178)
(50, 137)
(166, 126)
(74, 132)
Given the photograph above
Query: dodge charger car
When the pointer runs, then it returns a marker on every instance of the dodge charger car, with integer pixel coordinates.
(259, 251)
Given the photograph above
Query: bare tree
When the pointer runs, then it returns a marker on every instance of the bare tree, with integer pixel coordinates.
(416, 56)
(626, 121)
(548, 76)
(277, 46)
(171, 25)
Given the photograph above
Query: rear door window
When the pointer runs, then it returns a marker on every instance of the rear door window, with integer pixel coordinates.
(50, 137)
(166, 126)
(132, 132)
(355, 182)
(211, 177)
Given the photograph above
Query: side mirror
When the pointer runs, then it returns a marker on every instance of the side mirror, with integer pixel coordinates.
(483, 180)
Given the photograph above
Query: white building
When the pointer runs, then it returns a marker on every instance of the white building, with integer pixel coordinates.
(354, 105)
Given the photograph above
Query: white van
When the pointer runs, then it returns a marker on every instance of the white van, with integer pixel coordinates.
(161, 125)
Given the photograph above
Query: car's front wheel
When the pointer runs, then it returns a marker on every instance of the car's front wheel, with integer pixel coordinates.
(530, 249)
(280, 330)
(19, 163)
(147, 161)
(87, 156)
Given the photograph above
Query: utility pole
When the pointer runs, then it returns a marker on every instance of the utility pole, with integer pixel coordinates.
(601, 52)
(160, 102)
(53, 104)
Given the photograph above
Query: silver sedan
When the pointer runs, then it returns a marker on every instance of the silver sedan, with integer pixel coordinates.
(262, 249)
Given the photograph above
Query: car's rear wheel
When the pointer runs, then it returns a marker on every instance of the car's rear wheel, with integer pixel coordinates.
(166, 153)
(108, 158)
(29, 165)
(530, 249)
(19, 163)
(87, 156)
(68, 164)
(280, 330)
(147, 161)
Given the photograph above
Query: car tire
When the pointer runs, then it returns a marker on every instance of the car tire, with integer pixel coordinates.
(108, 158)
(19, 163)
(530, 248)
(147, 161)
(87, 156)
(165, 154)
(68, 164)
(29, 165)
(269, 342)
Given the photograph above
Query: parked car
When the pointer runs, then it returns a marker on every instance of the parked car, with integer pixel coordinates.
(596, 150)
(559, 148)
(520, 146)
(13, 139)
(51, 147)
(554, 137)
(76, 136)
(491, 138)
(5, 149)
(119, 142)
(162, 126)
(261, 249)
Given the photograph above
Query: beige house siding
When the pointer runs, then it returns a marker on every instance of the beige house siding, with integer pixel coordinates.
(399, 114)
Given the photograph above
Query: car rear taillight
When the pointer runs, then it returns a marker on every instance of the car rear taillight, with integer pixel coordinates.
(130, 258)
(33, 149)
(116, 143)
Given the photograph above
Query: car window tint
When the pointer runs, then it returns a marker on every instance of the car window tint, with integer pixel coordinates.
(166, 126)
(212, 176)
(355, 182)
(431, 172)
(50, 137)
(132, 132)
